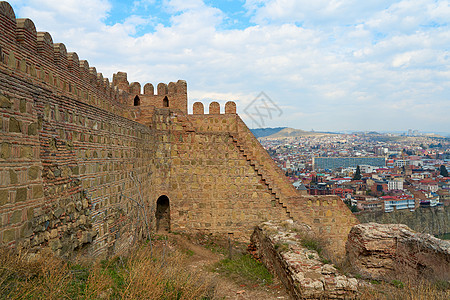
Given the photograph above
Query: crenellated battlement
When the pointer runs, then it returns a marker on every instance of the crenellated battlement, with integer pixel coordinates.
(214, 108)
(24, 51)
(172, 95)
(27, 52)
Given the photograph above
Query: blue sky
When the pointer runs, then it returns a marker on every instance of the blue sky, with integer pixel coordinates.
(328, 65)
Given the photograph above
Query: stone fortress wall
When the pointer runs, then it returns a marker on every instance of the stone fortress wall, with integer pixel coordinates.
(79, 155)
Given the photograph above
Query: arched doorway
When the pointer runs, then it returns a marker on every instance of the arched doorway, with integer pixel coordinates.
(137, 101)
(162, 214)
(166, 102)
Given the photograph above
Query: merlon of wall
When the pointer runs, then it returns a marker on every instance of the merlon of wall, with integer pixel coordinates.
(24, 50)
(214, 108)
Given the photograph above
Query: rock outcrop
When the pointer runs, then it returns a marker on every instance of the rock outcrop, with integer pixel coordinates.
(304, 273)
(394, 251)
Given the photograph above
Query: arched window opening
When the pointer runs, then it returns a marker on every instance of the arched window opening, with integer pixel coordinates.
(162, 214)
(166, 102)
(137, 101)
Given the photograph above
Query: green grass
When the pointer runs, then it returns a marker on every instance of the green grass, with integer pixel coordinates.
(445, 236)
(188, 252)
(312, 244)
(397, 283)
(243, 268)
(281, 247)
(80, 275)
(325, 261)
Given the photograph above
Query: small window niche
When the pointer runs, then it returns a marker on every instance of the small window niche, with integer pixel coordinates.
(165, 102)
(137, 101)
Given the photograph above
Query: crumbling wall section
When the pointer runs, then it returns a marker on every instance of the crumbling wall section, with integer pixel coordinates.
(302, 271)
(394, 251)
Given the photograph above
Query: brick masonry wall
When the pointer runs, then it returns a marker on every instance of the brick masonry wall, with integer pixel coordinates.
(66, 149)
(76, 155)
(65, 167)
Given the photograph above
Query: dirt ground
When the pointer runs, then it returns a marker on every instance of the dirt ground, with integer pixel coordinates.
(202, 258)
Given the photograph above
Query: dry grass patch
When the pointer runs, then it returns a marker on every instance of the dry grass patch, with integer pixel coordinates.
(397, 290)
(136, 276)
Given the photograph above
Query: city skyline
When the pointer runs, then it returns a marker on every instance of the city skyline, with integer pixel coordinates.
(330, 66)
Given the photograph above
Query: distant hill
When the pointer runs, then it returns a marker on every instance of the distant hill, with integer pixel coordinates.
(262, 132)
(291, 132)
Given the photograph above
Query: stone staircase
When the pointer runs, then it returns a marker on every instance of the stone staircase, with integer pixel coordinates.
(264, 165)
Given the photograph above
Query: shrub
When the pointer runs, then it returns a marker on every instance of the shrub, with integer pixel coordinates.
(397, 284)
(312, 244)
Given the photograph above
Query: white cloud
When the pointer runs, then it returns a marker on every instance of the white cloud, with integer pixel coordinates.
(378, 60)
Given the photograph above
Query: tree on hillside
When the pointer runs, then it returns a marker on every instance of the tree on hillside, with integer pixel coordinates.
(357, 175)
(444, 171)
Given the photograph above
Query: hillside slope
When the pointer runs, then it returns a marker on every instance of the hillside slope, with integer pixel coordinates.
(292, 133)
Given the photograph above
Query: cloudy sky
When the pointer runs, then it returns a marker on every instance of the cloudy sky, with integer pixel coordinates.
(325, 64)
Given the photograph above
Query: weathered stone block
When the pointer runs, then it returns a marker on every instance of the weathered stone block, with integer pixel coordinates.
(26, 230)
(32, 128)
(57, 172)
(15, 125)
(5, 102)
(4, 196)
(26, 152)
(16, 217)
(53, 233)
(21, 194)
(30, 213)
(22, 105)
(56, 244)
(5, 151)
(305, 276)
(38, 191)
(58, 212)
(13, 177)
(33, 172)
(9, 235)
